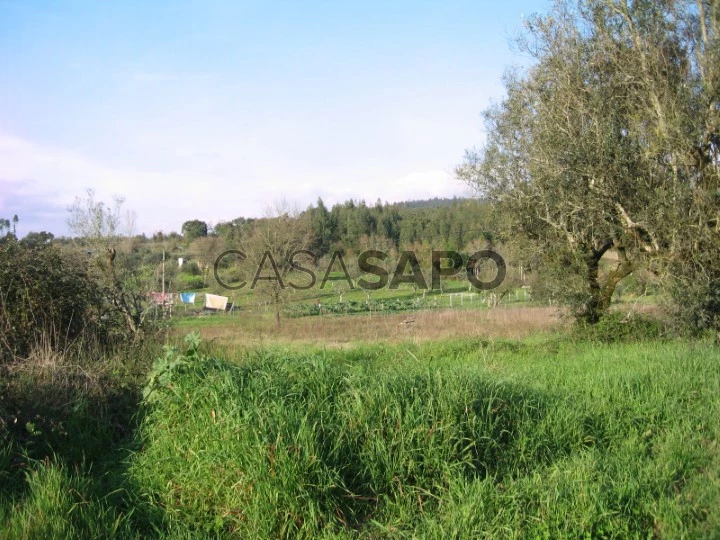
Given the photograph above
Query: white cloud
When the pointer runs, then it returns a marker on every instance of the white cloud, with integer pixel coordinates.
(238, 178)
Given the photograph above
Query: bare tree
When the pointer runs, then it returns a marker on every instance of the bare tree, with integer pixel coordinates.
(97, 227)
(272, 251)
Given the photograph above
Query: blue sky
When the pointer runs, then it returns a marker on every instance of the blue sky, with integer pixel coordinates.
(214, 110)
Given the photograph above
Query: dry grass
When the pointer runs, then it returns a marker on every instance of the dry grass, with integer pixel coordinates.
(514, 323)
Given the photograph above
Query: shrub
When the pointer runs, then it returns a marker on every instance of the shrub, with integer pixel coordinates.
(43, 293)
(151, 258)
(615, 327)
(191, 268)
(190, 284)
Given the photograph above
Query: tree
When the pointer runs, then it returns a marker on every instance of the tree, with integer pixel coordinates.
(234, 231)
(97, 227)
(5, 227)
(270, 251)
(95, 222)
(595, 148)
(205, 251)
(36, 239)
(194, 229)
(322, 228)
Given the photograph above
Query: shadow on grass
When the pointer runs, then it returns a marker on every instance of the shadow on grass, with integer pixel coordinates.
(338, 444)
(63, 439)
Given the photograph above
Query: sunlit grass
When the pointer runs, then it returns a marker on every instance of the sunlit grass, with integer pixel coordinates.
(449, 439)
(475, 437)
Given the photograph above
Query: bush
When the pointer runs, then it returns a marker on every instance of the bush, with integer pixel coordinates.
(616, 327)
(43, 294)
(191, 268)
(152, 258)
(190, 284)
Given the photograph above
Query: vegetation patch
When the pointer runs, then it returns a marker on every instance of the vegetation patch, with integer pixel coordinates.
(434, 441)
(617, 327)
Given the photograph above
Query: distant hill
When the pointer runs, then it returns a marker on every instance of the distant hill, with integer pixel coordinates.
(436, 202)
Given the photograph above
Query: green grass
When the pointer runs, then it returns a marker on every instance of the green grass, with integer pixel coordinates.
(60, 504)
(331, 293)
(327, 302)
(541, 438)
(446, 440)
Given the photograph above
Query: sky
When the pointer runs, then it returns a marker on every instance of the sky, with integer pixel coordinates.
(215, 110)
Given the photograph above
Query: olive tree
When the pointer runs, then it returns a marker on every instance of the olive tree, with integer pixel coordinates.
(599, 147)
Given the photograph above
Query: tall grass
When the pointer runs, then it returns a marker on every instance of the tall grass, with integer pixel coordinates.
(545, 437)
(65, 416)
(460, 439)
(60, 504)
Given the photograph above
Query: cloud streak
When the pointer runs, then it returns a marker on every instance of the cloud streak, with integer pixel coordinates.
(38, 182)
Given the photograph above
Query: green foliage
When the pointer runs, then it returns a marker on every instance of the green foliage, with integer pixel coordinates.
(694, 287)
(621, 327)
(43, 295)
(60, 504)
(37, 239)
(607, 144)
(557, 440)
(698, 308)
(111, 262)
(360, 306)
(539, 439)
(63, 417)
(191, 284)
(5, 227)
(235, 231)
(442, 223)
(164, 367)
(194, 229)
(191, 268)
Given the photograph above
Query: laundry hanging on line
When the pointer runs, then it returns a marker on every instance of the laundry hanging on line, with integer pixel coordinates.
(213, 301)
(187, 297)
(160, 298)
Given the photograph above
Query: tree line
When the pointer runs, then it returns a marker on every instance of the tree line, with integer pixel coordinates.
(97, 282)
(348, 226)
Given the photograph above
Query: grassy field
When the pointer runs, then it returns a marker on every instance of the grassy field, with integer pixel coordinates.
(251, 329)
(543, 436)
(453, 295)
